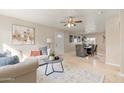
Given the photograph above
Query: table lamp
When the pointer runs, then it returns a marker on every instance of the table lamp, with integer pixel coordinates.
(49, 41)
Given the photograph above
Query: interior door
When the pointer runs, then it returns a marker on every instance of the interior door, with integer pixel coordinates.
(59, 43)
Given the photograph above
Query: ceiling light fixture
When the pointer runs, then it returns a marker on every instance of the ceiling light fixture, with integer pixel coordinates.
(71, 22)
(69, 25)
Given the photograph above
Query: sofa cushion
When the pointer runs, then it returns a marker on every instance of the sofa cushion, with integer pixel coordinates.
(5, 53)
(43, 50)
(8, 60)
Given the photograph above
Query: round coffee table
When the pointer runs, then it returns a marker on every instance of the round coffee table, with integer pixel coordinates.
(46, 61)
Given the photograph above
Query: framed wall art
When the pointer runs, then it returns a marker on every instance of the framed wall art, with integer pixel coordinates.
(23, 35)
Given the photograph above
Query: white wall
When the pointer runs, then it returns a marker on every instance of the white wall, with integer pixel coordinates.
(113, 50)
(41, 34)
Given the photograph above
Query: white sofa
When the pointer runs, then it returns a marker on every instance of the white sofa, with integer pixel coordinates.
(23, 72)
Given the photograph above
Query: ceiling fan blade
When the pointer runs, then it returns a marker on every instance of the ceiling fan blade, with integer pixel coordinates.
(65, 24)
(62, 22)
(78, 21)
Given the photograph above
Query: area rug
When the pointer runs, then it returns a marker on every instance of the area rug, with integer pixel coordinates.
(71, 76)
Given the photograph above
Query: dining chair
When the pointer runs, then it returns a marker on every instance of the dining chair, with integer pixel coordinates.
(95, 49)
(91, 50)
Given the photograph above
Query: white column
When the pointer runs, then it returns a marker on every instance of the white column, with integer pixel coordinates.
(122, 40)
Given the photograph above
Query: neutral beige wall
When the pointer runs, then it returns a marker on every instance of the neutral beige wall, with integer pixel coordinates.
(70, 47)
(113, 41)
(41, 34)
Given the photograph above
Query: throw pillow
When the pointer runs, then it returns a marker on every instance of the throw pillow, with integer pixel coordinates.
(35, 53)
(9, 60)
(43, 50)
(3, 54)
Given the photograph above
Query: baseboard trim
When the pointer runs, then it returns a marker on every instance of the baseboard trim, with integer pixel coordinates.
(116, 65)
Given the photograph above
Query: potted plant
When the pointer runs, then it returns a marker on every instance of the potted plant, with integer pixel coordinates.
(52, 55)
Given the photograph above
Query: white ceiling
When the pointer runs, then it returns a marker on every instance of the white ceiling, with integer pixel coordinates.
(92, 21)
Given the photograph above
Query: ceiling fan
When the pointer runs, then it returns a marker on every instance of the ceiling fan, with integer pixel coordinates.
(70, 21)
